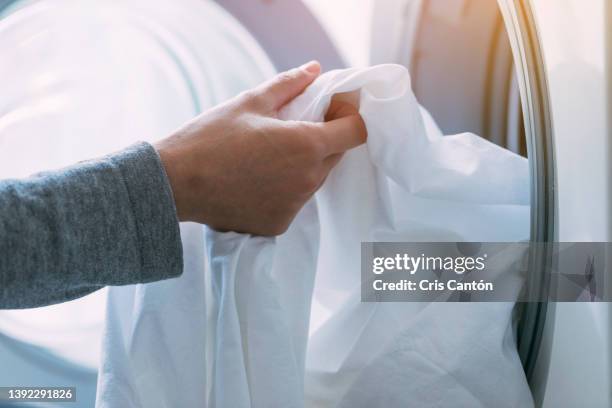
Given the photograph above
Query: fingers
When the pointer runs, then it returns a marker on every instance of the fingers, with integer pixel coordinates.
(340, 135)
(285, 86)
(344, 129)
(341, 105)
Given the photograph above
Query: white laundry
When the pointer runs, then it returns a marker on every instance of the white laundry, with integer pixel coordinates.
(279, 322)
(183, 57)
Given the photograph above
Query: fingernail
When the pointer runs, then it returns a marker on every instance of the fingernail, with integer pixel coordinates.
(311, 67)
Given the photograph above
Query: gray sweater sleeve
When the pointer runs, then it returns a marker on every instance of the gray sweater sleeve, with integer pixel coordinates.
(66, 233)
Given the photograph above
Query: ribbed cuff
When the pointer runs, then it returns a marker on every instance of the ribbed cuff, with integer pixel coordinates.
(154, 211)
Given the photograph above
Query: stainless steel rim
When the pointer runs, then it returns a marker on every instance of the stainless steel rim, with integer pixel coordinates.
(533, 86)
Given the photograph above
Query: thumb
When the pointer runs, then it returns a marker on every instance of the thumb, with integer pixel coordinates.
(287, 85)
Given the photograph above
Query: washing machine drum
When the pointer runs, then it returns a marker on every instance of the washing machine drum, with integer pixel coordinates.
(479, 93)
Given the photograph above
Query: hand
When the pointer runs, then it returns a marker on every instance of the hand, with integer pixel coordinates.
(238, 167)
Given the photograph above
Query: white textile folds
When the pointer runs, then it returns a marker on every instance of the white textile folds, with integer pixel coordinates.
(279, 322)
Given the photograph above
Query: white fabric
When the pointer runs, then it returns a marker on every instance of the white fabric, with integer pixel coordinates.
(178, 58)
(242, 335)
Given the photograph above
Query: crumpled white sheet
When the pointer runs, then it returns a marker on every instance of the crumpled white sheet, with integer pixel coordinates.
(242, 335)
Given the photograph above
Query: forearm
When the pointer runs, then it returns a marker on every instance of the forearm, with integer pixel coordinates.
(66, 233)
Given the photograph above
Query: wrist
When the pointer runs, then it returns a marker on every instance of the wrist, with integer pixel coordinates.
(177, 178)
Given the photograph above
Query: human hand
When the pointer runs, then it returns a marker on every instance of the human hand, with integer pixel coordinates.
(238, 167)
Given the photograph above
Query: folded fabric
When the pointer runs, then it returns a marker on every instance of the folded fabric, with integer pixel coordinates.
(286, 327)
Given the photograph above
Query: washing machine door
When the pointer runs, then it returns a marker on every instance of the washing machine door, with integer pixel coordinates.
(562, 53)
(532, 76)
(574, 364)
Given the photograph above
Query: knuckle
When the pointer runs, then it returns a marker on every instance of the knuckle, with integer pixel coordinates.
(287, 76)
(313, 145)
(247, 96)
(252, 99)
(317, 146)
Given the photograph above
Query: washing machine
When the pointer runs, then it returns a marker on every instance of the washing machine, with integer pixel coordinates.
(530, 75)
(534, 77)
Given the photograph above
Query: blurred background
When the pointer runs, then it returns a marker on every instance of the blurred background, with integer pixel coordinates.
(84, 78)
